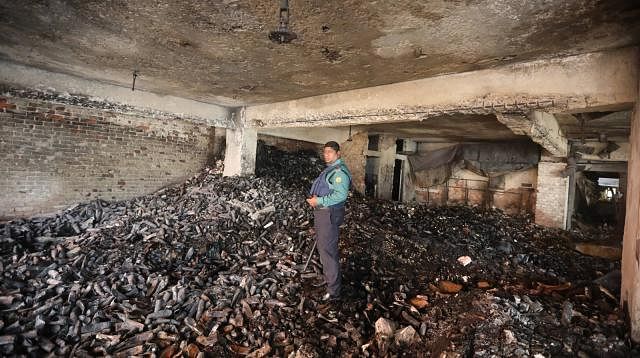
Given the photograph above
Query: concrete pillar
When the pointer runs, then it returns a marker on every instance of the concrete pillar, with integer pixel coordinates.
(240, 154)
(553, 195)
(353, 155)
(387, 148)
(630, 295)
(571, 201)
(408, 187)
(621, 203)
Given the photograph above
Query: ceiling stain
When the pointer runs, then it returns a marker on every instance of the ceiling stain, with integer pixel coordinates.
(219, 51)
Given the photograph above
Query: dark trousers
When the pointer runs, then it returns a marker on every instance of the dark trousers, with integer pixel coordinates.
(327, 221)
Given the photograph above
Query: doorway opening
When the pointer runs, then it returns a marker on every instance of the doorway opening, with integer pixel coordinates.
(371, 176)
(599, 199)
(396, 193)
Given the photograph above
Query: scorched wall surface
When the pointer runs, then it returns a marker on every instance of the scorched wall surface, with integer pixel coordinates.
(54, 155)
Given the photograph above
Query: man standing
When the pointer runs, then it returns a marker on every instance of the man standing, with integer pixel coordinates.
(328, 195)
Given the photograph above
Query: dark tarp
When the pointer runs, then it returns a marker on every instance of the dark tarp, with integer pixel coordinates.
(486, 159)
(434, 159)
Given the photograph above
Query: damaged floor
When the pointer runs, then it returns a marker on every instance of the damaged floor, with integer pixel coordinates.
(214, 267)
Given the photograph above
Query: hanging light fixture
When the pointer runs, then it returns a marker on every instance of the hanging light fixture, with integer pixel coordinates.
(349, 139)
(136, 73)
(282, 35)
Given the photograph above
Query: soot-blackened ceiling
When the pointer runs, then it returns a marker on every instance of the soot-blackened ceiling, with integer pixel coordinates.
(219, 51)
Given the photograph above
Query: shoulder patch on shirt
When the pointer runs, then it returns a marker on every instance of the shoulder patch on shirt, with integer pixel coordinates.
(339, 180)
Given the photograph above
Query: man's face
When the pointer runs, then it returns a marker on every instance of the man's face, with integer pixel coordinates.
(330, 155)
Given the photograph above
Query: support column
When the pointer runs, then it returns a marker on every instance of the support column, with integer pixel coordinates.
(571, 201)
(408, 187)
(240, 154)
(621, 203)
(387, 148)
(630, 294)
(353, 154)
(553, 195)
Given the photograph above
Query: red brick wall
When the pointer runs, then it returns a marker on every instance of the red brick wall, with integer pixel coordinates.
(513, 201)
(53, 155)
(551, 199)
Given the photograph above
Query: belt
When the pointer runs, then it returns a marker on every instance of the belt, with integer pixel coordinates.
(328, 208)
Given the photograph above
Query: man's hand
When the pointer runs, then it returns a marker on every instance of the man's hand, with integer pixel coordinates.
(313, 201)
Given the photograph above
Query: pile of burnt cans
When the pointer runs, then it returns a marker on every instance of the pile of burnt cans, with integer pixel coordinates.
(215, 267)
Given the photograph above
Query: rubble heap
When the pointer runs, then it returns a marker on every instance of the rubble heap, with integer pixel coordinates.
(214, 267)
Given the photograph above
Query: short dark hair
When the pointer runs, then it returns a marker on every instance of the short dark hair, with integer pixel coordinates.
(333, 145)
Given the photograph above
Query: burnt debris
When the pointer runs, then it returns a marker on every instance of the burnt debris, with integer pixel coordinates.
(214, 267)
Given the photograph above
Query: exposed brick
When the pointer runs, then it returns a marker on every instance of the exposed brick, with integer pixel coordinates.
(55, 117)
(49, 160)
(551, 199)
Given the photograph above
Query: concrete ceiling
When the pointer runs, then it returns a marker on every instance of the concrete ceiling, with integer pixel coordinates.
(218, 51)
(446, 128)
(589, 126)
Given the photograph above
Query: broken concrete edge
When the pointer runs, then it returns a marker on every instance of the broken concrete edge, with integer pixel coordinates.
(547, 132)
(84, 103)
(518, 123)
(411, 114)
(580, 83)
(92, 103)
(27, 82)
(541, 127)
(480, 106)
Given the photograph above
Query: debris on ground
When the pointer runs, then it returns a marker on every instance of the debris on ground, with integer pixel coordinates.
(215, 267)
